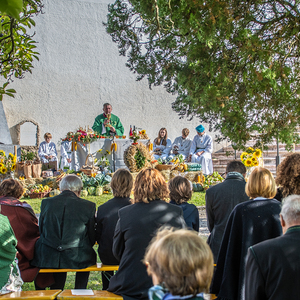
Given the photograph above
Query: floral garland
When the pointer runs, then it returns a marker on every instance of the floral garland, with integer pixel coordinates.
(7, 164)
(250, 158)
(83, 136)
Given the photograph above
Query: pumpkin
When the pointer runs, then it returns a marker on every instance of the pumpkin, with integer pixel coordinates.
(99, 191)
(54, 193)
(84, 193)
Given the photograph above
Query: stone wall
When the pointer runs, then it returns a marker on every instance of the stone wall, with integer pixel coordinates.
(79, 70)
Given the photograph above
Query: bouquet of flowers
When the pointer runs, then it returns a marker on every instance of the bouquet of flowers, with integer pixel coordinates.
(7, 164)
(103, 161)
(82, 135)
(251, 157)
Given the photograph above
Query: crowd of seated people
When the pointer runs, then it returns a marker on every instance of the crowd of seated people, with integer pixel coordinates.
(156, 262)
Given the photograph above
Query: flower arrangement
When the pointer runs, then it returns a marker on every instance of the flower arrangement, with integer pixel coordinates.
(103, 161)
(251, 157)
(135, 136)
(7, 164)
(82, 135)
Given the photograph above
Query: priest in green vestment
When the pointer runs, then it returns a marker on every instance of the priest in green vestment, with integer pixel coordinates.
(108, 124)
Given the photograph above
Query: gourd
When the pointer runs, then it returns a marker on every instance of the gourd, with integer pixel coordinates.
(54, 193)
(99, 191)
(84, 193)
(197, 187)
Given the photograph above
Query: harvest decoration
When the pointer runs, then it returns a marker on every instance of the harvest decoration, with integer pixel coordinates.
(83, 136)
(134, 137)
(7, 164)
(251, 157)
(137, 156)
(103, 161)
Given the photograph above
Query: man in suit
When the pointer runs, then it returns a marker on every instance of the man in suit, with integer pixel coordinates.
(220, 201)
(67, 228)
(273, 266)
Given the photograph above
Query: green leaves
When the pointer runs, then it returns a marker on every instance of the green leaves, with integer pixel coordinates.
(17, 48)
(11, 7)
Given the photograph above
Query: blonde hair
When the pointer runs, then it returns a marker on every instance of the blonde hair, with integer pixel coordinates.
(261, 183)
(180, 189)
(185, 131)
(121, 183)
(164, 140)
(150, 185)
(181, 260)
(47, 134)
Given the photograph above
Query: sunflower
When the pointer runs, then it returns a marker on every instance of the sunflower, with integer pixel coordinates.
(2, 153)
(143, 131)
(249, 150)
(244, 155)
(3, 170)
(100, 150)
(1, 165)
(257, 153)
(255, 163)
(108, 152)
(10, 155)
(13, 167)
(253, 158)
(15, 159)
(248, 162)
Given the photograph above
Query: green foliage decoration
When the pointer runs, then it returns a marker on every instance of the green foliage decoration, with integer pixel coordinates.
(17, 47)
(233, 64)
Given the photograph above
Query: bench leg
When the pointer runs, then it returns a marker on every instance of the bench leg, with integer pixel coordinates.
(81, 280)
(106, 275)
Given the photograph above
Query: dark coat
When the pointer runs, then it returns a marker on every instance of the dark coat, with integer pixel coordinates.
(273, 268)
(190, 214)
(25, 226)
(107, 217)
(250, 223)
(67, 228)
(220, 201)
(136, 227)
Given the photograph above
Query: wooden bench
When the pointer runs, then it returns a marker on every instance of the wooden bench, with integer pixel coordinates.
(98, 267)
(104, 295)
(43, 294)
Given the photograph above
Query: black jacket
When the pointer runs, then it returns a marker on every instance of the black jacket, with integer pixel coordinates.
(250, 223)
(67, 228)
(220, 201)
(273, 268)
(107, 217)
(136, 227)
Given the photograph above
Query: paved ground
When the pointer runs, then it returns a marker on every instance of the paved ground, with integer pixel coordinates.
(203, 230)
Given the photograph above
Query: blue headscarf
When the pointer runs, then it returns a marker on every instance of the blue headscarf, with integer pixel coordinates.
(200, 128)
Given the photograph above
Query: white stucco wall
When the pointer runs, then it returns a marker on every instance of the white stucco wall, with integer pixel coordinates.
(79, 70)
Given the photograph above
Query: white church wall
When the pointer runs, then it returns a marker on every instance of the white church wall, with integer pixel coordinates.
(79, 70)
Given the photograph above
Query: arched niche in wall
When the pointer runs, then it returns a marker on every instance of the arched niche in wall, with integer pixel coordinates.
(28, 134)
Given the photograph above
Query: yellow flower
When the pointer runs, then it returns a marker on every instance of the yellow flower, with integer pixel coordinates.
(13, 167)
(250, 149)
(2, 153)
(253, 159)
(255, 163)
(107, 152)
(1, 165)
(257, 153)
(244, 155)
(100, 150)
(10, 155)
(248, 162)
(15, 159)
(4, 170)
(143, 131)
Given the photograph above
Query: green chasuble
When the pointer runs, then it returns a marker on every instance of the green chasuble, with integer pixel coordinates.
(114, 121)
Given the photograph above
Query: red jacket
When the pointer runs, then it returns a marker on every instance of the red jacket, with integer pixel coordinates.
(25, 226)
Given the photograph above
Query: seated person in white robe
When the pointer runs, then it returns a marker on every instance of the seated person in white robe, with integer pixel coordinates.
(182, 145)
(47, 150)
(201, 150)
(65, 154)
(162, 145)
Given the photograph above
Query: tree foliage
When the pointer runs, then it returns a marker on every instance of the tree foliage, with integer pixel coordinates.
(17, 48)
(232, 63)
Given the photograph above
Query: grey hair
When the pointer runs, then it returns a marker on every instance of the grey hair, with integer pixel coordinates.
(290, 210)
(106, 104)
(72, 183)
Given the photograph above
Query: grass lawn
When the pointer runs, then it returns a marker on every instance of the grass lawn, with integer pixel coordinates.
(198, 199)
(95, 281)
